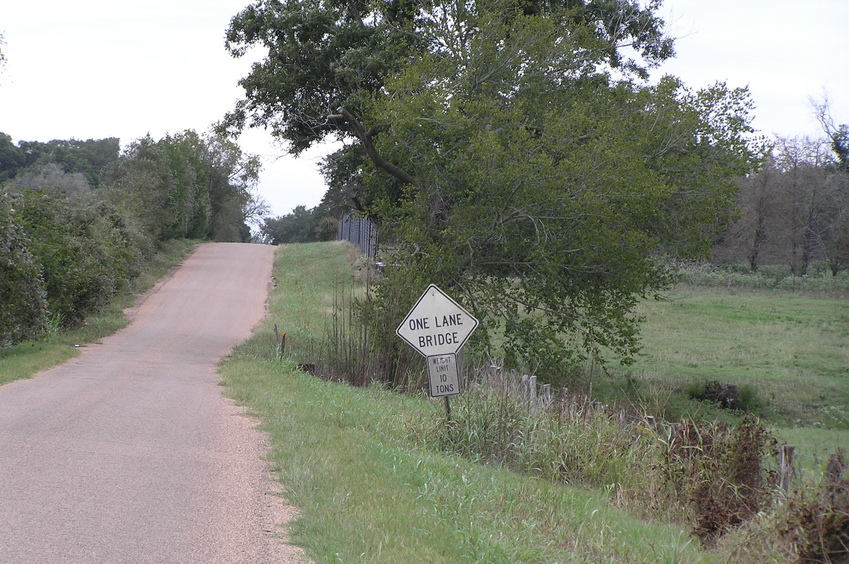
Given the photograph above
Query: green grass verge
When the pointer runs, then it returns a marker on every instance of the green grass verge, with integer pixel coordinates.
(367, 493)
(27, 359)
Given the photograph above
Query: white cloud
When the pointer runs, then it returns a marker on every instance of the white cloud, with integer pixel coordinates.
(785, 52)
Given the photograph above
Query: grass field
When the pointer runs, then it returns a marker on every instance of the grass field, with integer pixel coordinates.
(791, 349)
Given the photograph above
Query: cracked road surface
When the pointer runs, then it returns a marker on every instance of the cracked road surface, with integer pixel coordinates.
(129, 453)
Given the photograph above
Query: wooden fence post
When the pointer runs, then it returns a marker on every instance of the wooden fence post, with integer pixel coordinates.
(785, 467)
(834, 470)
(546, 394)
(532, 390)
(280, 342)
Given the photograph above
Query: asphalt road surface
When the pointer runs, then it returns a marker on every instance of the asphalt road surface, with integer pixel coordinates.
(129, 453)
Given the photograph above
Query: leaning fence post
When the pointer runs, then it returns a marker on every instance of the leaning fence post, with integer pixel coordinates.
(546, 394)
(834, 470)
(532, 393)
(785, 467)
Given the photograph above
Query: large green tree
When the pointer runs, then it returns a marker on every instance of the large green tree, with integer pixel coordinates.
(510, 150)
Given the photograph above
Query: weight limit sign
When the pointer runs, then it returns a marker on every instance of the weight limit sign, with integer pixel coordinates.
(442, 375)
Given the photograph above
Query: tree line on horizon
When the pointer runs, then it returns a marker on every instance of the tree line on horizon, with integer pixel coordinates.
(79, 219)
(792, 212)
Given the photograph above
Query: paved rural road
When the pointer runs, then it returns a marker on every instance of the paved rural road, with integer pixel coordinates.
(129, 453)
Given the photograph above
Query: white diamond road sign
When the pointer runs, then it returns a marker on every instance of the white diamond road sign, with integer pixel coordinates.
(437, 325)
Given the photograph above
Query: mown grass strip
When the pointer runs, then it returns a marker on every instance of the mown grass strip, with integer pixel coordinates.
(367, 493)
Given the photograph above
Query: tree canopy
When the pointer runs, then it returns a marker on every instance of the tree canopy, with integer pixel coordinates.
(90, 158)
(511, 151)
(300, 226)
(188, 185)
(324, 55)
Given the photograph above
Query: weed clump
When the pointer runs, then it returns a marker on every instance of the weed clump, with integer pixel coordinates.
(714, 476)
(726, 396)
(725, 475)
(818, 524)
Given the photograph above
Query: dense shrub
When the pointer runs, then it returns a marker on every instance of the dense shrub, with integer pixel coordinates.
(775, 277)
(23, 307)
(84, 247)
(727, 396)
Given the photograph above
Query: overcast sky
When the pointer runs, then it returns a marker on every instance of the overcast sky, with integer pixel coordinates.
(92, 69)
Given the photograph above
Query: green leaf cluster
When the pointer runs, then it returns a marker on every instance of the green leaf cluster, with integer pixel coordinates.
(86, 250)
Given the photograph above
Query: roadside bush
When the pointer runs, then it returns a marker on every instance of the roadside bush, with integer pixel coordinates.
(23, 305)
(85, 250)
